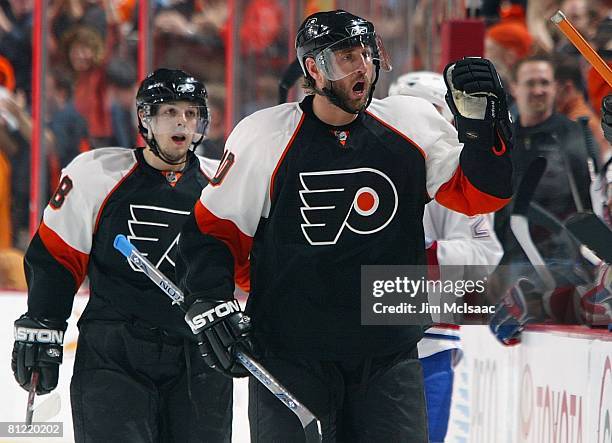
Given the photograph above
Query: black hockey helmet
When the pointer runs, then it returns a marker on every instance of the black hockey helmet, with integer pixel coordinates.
(323, 33)
(338, 29)
(170, 85)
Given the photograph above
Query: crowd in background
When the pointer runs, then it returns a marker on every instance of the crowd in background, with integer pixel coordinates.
(92, 79)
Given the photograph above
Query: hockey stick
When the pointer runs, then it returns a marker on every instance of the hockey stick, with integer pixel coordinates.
(48, 409)
(290, 76)
(44, 411)
(311, 425)
(540, 216)
(520, 226)
(31, 397)
(593, 233)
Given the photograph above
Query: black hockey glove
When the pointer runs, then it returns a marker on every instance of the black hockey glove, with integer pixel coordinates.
(477, 99)
(606, 117)
(220, 327)
(38, 344)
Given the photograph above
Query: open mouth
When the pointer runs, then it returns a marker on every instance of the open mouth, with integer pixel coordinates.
(178, 138)
(359, 87)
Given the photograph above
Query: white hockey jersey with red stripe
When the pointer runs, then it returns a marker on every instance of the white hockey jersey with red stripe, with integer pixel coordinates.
(469, 246)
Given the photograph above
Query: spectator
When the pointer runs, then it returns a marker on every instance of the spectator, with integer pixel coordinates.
(66, 123)
(6, 149)
(262, 26)
(15, 139)
(184, 18)
(597, 87)
(578, 12)
(492, 10)
(213, 143)
(505, 45)
(571, 100)
(15, 39)
(97, 14)
(83, 49)
(121, 74)
(540, 131)
(11, 270)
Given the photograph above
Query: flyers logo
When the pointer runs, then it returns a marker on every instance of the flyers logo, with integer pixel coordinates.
(155, 232)
(363, 200)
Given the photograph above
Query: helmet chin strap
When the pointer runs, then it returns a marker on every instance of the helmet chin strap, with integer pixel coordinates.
(334, 99)
(154, 146)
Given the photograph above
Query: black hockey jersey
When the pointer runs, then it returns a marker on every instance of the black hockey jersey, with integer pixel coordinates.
(305, 205)
(102, 193)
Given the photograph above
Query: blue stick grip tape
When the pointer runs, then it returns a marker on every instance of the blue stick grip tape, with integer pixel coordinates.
(123, 245)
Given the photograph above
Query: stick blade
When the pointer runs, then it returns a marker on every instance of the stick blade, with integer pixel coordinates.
(312, 432)
(48, 408)
(592, 232)
(528, 185)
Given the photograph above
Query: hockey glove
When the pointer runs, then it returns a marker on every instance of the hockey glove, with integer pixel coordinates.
(606, 117)
(38, 344)
(511, 314)
(477, 99)
(596, 298)
(220, 327)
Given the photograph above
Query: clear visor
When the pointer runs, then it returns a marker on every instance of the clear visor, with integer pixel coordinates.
(351, 55)
(179, 120)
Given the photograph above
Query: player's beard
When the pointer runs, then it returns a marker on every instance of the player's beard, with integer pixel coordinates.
(343, 92)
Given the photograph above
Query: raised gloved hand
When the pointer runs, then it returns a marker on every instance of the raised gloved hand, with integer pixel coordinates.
(38, 345)
(606, 117)
(511, 313)
(220, 327)
(477, 99)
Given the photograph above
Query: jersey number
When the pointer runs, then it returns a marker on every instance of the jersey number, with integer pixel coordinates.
(63, 189)
(226, 163)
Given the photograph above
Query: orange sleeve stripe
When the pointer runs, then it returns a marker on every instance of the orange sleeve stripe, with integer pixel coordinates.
(238, 242)
(462, 196)
(75, 261)
(282, 157)
(404, 136)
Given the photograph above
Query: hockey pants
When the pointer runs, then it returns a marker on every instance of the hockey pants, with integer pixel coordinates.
(130, 384)
(371, 400)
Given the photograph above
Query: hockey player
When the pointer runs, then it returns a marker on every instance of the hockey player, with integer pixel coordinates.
(309, 192)
(454, 239)
(137, 375)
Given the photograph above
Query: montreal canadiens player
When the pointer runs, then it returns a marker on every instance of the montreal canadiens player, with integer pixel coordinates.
(306, 194)
(454, 239)
(138, 375)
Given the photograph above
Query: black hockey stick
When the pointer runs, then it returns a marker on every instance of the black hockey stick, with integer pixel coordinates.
(589, 142)
(541, 217)
(32, 396)
(290, 76)
(45, 410)
(520, 226)
(310, 423)
(593, 233)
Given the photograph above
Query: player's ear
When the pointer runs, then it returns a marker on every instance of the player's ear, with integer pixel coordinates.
(314, 71)
(146, 123)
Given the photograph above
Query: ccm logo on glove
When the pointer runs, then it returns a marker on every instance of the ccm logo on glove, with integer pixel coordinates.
(39, 335)
(216, 313)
